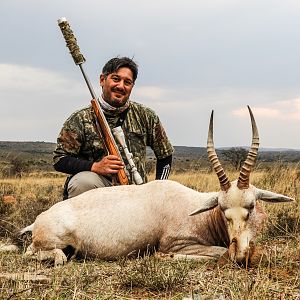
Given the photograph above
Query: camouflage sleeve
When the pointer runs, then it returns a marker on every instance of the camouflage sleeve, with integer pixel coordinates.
(70, 138)
(157, 137)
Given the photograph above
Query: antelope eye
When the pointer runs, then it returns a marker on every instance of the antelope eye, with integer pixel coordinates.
(229, 220)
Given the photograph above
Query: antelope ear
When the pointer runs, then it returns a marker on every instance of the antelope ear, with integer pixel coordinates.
(272, 197)
(210, 203)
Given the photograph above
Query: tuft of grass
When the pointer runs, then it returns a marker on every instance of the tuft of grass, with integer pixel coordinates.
(32, 195)
(153, 274)
(283, 219)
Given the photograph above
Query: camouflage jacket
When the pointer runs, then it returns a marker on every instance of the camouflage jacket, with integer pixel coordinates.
(142, 127)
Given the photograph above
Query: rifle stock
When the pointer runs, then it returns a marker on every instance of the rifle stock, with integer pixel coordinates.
(111, 146)
(79, 59)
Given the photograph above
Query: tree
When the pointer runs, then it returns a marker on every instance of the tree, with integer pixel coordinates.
(18, 165)
(235, 156)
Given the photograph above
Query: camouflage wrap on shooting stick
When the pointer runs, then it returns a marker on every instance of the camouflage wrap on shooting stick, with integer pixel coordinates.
(71, 41)
(142, 128)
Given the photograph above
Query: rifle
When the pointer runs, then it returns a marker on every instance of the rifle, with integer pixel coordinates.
(102, 125)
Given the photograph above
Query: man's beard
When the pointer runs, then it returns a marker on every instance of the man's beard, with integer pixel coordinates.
(112, 110)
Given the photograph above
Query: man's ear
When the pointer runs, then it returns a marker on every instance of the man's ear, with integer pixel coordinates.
(208, 204)
(102, 78)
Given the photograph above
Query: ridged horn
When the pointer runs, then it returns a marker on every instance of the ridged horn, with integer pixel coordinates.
(212, 155)
(243, 181)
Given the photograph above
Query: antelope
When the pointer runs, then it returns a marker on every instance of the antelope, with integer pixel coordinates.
(162, 215)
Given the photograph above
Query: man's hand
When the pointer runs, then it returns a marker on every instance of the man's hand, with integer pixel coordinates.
(109, 164)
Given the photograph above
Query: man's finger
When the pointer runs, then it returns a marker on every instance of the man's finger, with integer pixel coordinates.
(116, 166)
(115, 162)
(113, 157)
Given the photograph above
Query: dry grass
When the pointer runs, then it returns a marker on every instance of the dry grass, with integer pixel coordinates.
(32, 196)
(276, 274)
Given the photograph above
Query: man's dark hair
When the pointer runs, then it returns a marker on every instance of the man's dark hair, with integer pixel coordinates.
(114, 64)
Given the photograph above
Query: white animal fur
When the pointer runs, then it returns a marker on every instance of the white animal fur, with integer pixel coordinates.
(127, 220)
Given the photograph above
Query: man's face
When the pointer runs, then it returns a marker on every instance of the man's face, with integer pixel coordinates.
(116, 87)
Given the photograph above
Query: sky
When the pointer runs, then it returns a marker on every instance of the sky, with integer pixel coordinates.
(194, 56)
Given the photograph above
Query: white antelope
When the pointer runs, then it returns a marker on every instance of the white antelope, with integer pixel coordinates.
(164, 215)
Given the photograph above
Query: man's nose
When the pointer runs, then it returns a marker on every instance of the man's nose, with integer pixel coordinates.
(121, 85)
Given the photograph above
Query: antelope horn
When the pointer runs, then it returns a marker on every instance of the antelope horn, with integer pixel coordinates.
(212, 155)
(243, 181)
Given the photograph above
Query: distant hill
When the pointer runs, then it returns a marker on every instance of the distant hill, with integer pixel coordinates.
(27, 147)
(43, 150)
(185, 152)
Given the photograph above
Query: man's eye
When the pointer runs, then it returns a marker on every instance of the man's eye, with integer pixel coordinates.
(128, 82)
(115, 79)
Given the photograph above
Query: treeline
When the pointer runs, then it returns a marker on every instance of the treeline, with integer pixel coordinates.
(17, 158)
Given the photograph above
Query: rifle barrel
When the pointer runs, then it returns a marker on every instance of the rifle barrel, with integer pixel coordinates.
(88, 83)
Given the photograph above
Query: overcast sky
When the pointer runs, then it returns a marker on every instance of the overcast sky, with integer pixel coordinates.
(193, 56)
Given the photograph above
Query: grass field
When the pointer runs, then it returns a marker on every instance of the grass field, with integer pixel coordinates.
(275, 275)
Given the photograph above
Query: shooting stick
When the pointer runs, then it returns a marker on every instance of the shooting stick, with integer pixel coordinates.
(102, 123)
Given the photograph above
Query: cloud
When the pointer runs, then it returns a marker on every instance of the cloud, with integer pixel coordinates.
(27, 85)
(150, 92)
(27, 78)
(164, 97)
(35, 101)
(280, 110)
